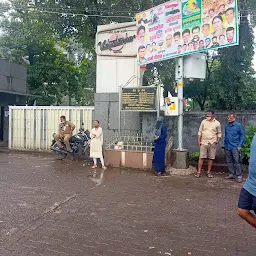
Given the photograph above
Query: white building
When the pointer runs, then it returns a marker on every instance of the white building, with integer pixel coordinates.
(116, 49)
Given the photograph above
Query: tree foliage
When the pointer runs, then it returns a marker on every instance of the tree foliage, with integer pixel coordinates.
(235, 85)
(250, 131)
(32, 38)
(52, 76)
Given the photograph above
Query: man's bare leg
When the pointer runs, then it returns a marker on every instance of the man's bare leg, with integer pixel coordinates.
(200, 165)
(57, 138)
(247, 216)
(210, 161)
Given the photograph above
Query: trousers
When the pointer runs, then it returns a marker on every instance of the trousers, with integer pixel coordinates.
(234, 162)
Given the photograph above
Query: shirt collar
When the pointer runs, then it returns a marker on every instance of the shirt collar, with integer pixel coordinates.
(213, 120)
(233, 124)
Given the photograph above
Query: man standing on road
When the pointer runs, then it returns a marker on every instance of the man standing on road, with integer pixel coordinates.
(247, 199)
(66, 129)
(209, 135)
(233, 143)
(96, 144)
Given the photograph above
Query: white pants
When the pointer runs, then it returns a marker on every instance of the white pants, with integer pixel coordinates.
(101, 160)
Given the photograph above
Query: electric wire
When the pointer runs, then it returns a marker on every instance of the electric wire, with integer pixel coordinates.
(101, 10)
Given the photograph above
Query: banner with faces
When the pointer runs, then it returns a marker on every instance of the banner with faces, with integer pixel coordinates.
(183, 27)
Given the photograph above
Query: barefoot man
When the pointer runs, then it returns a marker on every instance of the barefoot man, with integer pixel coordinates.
(247, 199)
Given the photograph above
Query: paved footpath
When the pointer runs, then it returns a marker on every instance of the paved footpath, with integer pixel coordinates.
(58, 208)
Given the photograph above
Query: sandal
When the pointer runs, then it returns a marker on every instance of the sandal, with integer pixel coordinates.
(209, 175)
(197, 174)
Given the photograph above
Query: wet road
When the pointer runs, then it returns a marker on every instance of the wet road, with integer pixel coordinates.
(51, 207)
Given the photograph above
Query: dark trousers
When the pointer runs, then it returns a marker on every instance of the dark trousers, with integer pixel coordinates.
(234, 162)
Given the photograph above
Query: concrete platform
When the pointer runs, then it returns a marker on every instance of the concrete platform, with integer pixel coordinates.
(128, 159)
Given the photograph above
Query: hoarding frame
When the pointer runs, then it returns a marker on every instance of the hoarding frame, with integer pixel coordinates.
(181, 3)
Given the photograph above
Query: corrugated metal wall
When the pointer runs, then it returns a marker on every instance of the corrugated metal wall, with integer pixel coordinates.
(31, 128)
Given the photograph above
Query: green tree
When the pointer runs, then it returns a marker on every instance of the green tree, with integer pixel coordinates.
(234, 85)
(250, 131)
(31, 38)
(23, 29)
(52, 76)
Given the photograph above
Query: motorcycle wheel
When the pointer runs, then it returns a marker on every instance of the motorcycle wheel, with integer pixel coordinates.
(60, 155)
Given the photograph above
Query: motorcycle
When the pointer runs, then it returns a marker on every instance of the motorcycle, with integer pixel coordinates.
(79, 144)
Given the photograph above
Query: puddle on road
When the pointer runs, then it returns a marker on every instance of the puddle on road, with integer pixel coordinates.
(99, 176)
(78, 168)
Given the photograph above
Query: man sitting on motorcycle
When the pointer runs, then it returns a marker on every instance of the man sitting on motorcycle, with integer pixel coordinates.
(66, 129)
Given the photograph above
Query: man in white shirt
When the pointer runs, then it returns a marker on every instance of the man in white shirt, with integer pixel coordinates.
(230, 18)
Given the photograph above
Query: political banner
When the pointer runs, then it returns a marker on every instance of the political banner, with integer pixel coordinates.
(181, 27)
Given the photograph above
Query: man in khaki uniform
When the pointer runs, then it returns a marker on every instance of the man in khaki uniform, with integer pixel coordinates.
(66, 129)
(209, 135)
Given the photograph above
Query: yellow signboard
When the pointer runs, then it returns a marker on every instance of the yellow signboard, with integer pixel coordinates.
(171, 106)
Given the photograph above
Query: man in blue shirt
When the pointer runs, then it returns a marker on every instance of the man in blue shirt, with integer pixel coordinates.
(247, 199)
(233, 143)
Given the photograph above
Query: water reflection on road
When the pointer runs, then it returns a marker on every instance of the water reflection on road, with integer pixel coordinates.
(97, 178)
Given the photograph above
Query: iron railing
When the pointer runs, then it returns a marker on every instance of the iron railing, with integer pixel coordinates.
(134, 143)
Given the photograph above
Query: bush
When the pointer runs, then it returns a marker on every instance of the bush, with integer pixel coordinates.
(195, 156)
(250, 131)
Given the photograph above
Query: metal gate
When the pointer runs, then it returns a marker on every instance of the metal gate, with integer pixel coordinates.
(31, 128)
